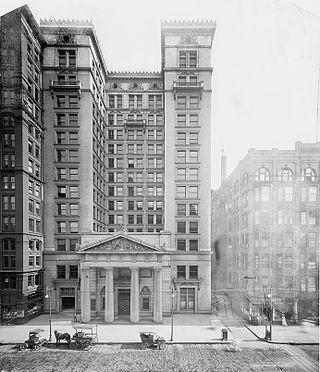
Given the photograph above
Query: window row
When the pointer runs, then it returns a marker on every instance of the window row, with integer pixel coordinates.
(188, 138)
(68, 209)
(71, 174)
(184, 227)
(187, 102)
(66, 244)
(187, 174)
(67, 101)
(187, 156)
(67, 191)
(187, 272)
(66, 227)
(71, 156)
(190, 192)
(68, 120)
(34, 225)
(187, 209)
(263, 174)
(34, 188)
(71, 138)
(33, 149)
(187, 245)
(67, 272)
(8, 223)
(34, 168)
(9, 139)
(8, 160)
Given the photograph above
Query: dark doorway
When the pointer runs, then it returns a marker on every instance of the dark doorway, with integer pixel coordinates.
(124, 301)
(67, 303)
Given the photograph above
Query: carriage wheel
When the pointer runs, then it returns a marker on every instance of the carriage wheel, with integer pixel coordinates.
(162, 345)
(37, 346)
(23, 346)
(87, 345)
(144, 345)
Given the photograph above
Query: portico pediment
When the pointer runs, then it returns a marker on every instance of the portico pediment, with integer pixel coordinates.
(121, 243)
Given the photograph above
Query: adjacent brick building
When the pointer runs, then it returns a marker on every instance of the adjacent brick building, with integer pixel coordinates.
(265, 226)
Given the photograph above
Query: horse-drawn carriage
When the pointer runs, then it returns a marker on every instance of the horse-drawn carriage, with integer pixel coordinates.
(152, 340)
(35, 341)
(84, 338)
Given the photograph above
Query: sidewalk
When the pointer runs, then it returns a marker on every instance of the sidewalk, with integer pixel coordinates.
(187, 328)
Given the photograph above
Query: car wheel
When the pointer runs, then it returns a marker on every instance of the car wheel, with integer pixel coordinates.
(23, 346)
(144, 346)
(162, 346)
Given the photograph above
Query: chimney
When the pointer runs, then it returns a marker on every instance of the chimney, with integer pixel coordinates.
(223, 167)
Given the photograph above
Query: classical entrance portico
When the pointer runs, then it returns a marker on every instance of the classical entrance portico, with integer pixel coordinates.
(121, 276)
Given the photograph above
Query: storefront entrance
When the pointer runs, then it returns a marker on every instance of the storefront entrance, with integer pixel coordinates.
(67, 303)
(124, 301)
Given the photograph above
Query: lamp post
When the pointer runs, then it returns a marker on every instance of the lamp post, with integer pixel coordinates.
(172, 297)
(48, 295)
(269, 296)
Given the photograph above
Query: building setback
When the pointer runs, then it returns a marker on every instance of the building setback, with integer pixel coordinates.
(126, 223)
(265, 229)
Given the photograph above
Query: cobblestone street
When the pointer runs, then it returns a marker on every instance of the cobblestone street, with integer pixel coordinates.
(125, 357)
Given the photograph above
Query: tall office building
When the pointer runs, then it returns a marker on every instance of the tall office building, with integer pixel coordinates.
(126, 176)
(21, 169)
(265, 225)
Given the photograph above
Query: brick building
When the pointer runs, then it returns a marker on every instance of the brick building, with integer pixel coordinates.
(265, 225)
(126, 219)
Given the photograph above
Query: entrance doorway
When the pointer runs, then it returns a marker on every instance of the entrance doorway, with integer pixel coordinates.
(124, 301)
(67, 303)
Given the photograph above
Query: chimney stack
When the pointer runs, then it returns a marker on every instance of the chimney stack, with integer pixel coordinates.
(223, 167)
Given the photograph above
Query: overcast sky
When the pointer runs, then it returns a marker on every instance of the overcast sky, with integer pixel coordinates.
(266, 59)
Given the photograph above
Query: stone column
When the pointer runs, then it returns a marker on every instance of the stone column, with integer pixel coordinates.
(157, 295)
(85, 295)
(134, 295)
(109, 296)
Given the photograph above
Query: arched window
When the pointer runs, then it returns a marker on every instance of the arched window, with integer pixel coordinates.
(309, 174)
(286, 174)
(262, 174)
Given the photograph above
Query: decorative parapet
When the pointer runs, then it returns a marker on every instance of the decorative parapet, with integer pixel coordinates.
(65, 23)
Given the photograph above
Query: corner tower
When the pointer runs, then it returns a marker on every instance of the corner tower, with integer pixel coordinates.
(187, 73)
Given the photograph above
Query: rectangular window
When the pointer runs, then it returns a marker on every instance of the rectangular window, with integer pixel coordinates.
(193, 245)
(73, 272)
(61, 272)
(181, 272)
(181, 245)
(193, 228)
(181, 102)
(193, 272)
(181, 227)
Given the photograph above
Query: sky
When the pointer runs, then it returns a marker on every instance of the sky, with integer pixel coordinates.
(266, 61)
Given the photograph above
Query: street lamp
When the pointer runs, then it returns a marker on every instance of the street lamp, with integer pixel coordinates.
(48, 295)
(172, 297)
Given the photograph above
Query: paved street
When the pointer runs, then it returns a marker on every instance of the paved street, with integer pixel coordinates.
(197, 346)
(175, 358)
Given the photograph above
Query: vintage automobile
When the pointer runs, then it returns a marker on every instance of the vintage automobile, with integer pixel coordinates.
(35, 341)
(152, 340)
(85, 335)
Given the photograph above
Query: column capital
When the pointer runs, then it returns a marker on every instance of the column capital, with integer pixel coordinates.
(157, 268)
(134, 268)
(109, 268)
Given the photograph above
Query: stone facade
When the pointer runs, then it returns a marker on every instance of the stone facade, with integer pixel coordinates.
(125, 166)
